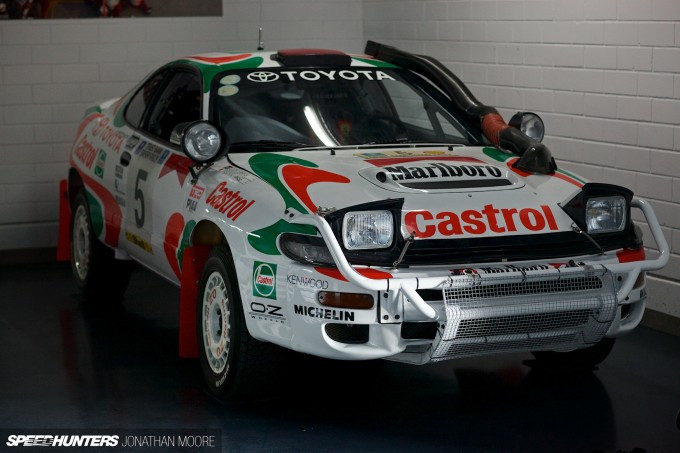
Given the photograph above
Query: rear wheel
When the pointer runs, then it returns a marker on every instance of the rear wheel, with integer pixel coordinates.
(580, 359)
(96, 271)
(234, 364)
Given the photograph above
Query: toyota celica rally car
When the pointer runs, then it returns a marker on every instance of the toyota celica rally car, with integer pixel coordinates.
(351, 207)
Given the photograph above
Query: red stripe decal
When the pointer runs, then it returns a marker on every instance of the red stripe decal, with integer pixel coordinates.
(177, 163)
(568, 179)
(87, 120)
(630, 255)
(173, 232)
(112, 213)
(332, 273)
(374, 274)
(221, 60)
(557, 175)
(299, 178)
(367, 272)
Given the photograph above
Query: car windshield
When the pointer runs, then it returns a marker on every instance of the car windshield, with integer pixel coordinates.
(310, 107)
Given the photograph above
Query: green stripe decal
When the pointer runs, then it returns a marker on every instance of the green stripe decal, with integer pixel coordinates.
(211, 70)
(497, 154)
(96, 215)
(376, 63)
(267, 166)
(571, 175)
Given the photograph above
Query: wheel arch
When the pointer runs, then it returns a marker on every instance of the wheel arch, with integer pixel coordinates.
(207, 233)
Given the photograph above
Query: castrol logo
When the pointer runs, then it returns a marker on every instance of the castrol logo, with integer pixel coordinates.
(472, 222)
(228, 202)
(264, 280)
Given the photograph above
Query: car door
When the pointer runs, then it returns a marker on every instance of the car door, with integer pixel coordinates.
(155, 169)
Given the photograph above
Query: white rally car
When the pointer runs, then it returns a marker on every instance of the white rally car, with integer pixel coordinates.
(351, 207)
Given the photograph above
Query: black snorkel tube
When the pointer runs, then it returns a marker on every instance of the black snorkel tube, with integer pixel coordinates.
(535, 157)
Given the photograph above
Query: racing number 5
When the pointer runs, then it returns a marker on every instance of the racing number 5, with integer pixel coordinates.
(139, 196)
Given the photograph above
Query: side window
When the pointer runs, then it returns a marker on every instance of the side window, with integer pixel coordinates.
(134, 113)
(179, 102)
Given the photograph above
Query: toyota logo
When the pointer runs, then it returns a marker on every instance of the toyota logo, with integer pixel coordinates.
(263, 76)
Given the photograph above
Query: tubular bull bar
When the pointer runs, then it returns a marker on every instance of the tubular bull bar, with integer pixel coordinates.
(407, 286)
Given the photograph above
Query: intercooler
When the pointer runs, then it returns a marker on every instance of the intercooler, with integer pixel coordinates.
(531, 309)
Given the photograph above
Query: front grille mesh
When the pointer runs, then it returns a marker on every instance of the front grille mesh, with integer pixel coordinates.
(508, 325)
(525, 311)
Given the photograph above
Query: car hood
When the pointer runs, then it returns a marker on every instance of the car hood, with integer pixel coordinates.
(414, 171)
(437, 172)
(476, 186)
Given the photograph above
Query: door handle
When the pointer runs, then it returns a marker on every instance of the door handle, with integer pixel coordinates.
(125, 158)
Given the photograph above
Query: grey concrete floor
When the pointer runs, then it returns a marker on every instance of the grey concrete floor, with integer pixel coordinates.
(66, 365)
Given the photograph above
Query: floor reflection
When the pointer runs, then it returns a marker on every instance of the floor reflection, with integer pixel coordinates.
(123, 370)
(66, 363)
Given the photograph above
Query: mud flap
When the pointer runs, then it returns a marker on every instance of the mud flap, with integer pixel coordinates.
(193, 261)
(64, 239)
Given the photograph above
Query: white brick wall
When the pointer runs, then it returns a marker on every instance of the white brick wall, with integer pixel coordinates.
(604, 75)
(51, 70)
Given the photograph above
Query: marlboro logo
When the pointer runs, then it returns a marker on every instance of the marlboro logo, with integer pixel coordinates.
(443, 170)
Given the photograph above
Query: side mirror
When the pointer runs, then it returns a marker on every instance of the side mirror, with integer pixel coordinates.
(176, 135)
(201, 141)
(530, 124)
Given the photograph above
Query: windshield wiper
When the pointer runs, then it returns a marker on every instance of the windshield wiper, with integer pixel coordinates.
(408, 141)
(266, 145)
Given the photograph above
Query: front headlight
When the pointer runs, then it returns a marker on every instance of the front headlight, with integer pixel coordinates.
(606, 214)
(367, 230)
(600, 208)
(530, 124)
(202, 141)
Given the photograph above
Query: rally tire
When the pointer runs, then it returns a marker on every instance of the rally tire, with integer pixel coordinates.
(580, 359)
(98, 274)
(235, 366)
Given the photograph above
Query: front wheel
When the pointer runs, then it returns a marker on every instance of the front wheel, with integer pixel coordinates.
(580, 359)
(234, 364)
(96, 271)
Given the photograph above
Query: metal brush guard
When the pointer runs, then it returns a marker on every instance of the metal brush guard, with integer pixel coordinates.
(508, 309)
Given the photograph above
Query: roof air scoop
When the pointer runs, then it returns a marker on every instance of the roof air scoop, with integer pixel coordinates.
(536, 160)
(535, 157)
(312, 57)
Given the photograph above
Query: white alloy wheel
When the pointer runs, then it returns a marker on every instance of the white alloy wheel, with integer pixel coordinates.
(99, 275)
(81, 247)
(216, 322)
(236, 366)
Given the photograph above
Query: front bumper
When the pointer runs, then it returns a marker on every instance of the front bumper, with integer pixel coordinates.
(524, 307)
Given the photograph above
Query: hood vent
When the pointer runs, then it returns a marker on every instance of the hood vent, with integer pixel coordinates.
(436, 176)
(448, 185)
